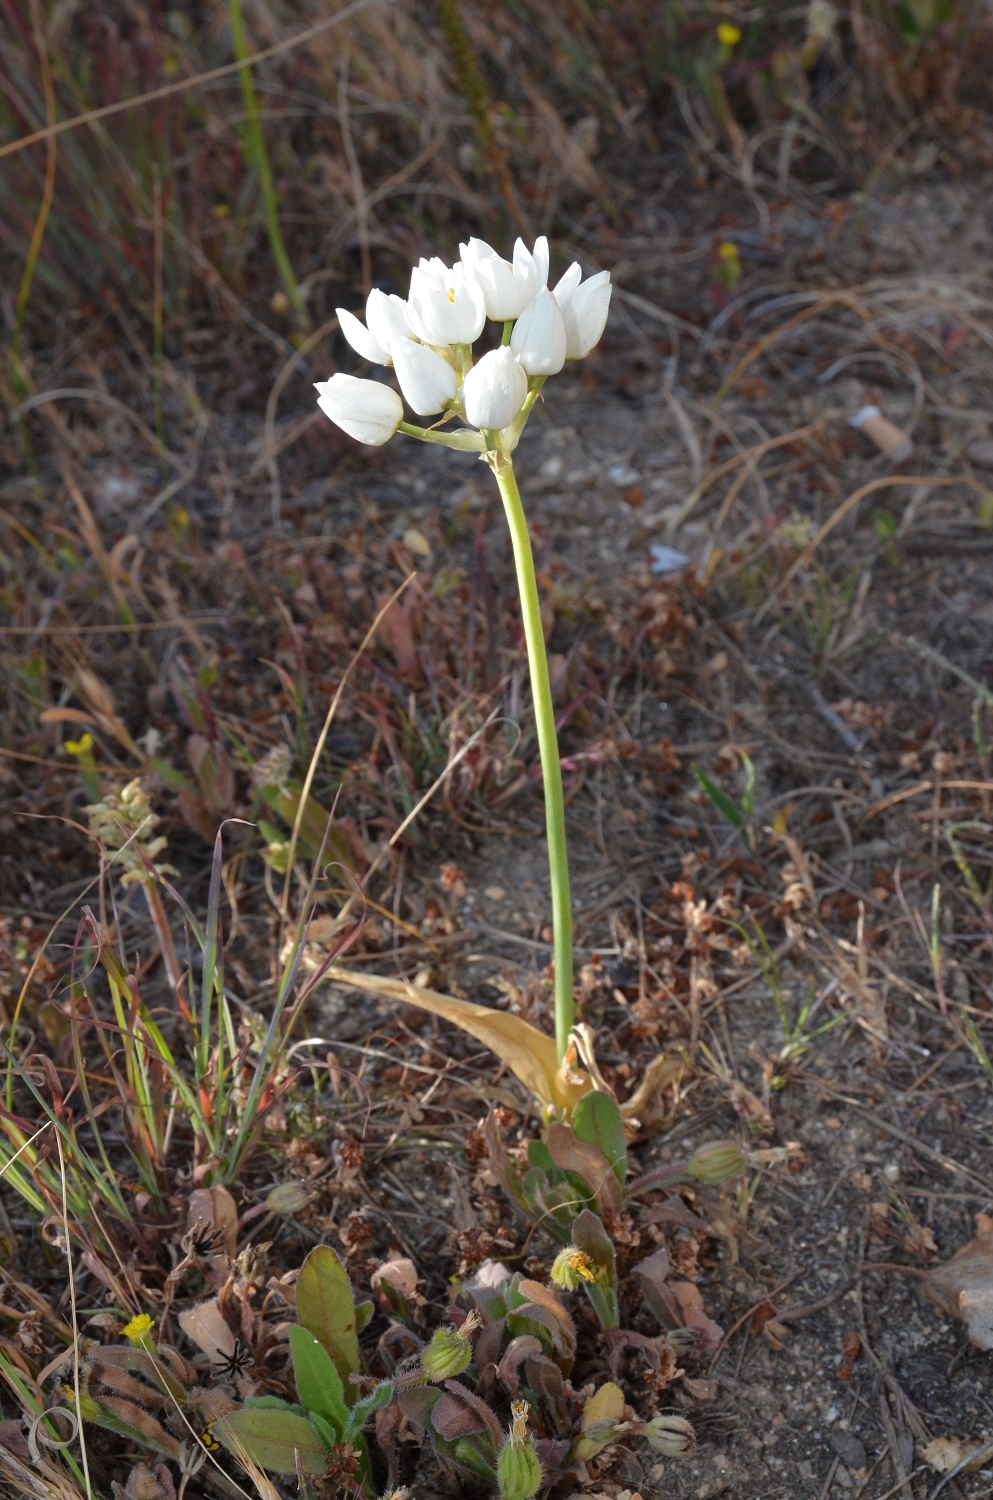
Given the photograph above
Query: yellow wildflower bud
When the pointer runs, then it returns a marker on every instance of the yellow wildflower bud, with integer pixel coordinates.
(728, 35)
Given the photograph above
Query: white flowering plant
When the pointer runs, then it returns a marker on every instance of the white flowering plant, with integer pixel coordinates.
(428, 340)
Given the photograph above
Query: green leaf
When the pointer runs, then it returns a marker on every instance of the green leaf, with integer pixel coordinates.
(589, 1166)
(721, 800)
(363, 1410)
(597, 1120)
(540, 1156)
(272, 1439)
(273, 1403)
(326, 1429)
(748, 800)
(318, 1382)
(326, 1309)
(363, 1314)
(589, 1234)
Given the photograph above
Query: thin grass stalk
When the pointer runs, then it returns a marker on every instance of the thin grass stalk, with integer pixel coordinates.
(30, 1404)
(81, 1078)
(34, 249)
(81, 1161)
(308, 780)
(253, 145)
(157, 345)
(182, 85)
(75, 1324)
(213, 978)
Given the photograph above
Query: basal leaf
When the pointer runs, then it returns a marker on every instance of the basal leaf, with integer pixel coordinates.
(318, 1383)
(589, 1164)
(272, 1439)
(597, 1120)
(326, 1309)
(528, 1052)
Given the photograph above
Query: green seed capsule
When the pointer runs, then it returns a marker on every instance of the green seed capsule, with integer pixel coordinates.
(717, 1161)
(518, 1465)
(447, 1355)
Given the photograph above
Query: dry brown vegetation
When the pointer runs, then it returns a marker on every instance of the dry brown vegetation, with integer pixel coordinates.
(192, 558)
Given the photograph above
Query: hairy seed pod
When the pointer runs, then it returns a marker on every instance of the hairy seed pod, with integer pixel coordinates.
(717, 1161)
(671, 1435)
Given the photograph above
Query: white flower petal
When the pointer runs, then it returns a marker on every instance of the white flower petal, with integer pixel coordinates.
(585, 315)
(539, 336)
(362, 339)
(427, 380)
(386, 317)
(567, 284)
(367, 411)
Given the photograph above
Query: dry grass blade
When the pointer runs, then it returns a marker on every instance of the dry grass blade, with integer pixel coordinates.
(185, 84)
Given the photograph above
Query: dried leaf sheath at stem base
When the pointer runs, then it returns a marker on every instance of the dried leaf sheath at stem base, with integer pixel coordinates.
(551, 770)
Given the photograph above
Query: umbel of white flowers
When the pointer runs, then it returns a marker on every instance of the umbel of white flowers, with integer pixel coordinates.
(428, 340)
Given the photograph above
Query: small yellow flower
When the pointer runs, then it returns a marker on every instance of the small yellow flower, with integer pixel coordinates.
(728, 250)
(728, 35)
(82, 746)
(140, 1326)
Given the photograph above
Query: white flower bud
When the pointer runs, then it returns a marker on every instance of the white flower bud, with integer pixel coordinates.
(495, 389)
(386, 317)
(361, 338)
(539, 337)
(367, 411)
(585, 313)
(426, 379)
(449, 311)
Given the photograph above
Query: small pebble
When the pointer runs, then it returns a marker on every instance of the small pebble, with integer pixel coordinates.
(495, 893)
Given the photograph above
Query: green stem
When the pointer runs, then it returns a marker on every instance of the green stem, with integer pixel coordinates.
(508, 329)
(463, 439)
(257, 156)
(551, 770)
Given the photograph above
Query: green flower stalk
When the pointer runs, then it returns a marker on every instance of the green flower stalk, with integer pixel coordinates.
(428, 341)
